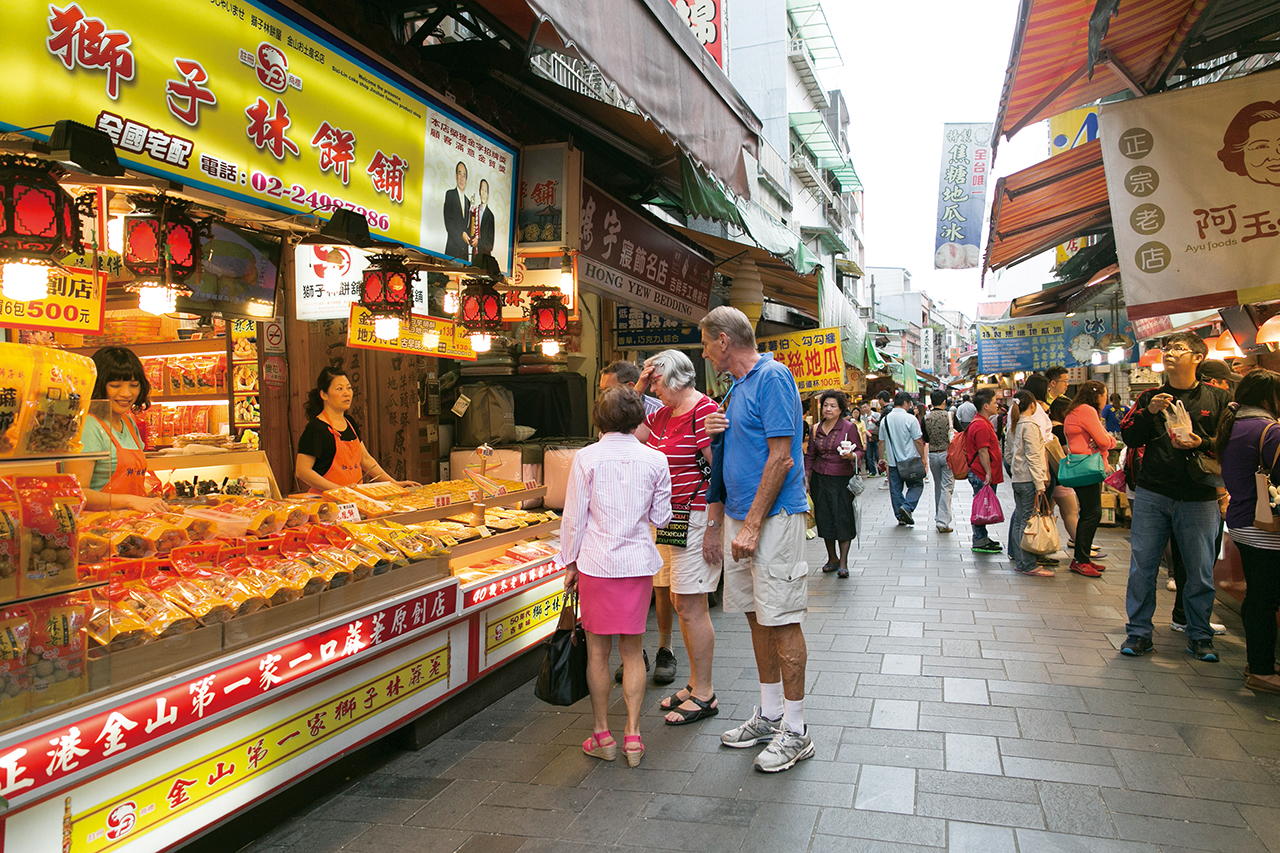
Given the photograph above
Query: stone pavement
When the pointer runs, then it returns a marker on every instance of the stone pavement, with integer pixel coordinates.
(953, 705)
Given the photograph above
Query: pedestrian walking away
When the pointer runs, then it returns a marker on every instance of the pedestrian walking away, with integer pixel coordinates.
(937, 430)
(904, 452)
(765, 574)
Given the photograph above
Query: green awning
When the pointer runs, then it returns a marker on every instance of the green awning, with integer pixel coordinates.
(874, 360)
(811, 25)
(702, 196)
(829, 236)
(805, 260)
(910, 381)
(814, 133)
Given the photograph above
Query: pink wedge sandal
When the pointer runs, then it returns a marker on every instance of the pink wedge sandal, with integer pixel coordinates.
(601, 745)
(633, 749)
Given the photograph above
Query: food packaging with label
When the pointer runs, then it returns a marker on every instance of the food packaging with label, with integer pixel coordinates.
(57, 400)
(48, 509)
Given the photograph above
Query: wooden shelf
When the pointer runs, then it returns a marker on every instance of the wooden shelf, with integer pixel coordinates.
(507, 537)
(210, 346)
(20, 462)
(437, 513)
(215, 397)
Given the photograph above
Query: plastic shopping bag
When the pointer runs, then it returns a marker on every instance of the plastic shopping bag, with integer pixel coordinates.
(986, 507)
(1116, 480)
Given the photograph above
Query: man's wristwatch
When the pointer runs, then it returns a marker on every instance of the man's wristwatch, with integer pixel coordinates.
(714, 524)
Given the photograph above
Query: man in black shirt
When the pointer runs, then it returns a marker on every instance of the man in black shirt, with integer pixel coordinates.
(1172, 498)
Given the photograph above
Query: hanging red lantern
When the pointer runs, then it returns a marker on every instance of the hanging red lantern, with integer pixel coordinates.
(161, 241)
(38, 218)
(481, 307)
(550, 317)
(386, 289)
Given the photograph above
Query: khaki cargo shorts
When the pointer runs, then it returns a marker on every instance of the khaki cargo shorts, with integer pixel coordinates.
(774, 583)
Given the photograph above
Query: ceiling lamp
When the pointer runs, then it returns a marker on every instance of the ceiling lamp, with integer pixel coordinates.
(1097, 358)
(480, 309)
(1158, 367)
(39, 223)
(157, 299)
(1115, 355)
(1228, 346)
(117, 209)
(1269, 332)
(385, 292)
(1152, 356)
(161, 242)
(566, 275)
(481, 342)
(550, 322)
(431, 340)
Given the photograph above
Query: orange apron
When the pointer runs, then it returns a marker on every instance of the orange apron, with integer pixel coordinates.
(345, 470)
(129, 477)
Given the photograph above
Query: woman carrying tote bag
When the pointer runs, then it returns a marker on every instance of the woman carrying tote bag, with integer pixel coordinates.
(1029, 472)
(1087, 436)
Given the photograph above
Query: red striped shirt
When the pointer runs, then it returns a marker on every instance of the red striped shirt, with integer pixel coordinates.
(682, 438)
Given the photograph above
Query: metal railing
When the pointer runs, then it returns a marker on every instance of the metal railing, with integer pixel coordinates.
(578, 76)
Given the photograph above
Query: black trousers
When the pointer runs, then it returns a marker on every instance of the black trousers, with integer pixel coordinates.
(1090, 498)
(1261, 600)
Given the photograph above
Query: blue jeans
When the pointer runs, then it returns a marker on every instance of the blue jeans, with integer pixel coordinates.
(1024, 501)
(980, 535)
(1194, 524)
(896, 484)
(873, 456)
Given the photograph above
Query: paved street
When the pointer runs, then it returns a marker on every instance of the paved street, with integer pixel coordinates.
(953, 705)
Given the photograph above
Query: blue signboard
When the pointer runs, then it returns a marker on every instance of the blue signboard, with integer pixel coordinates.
(1038, 343)
(636, 329)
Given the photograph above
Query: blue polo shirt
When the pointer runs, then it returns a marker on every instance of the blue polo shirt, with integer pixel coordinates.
(764, 404)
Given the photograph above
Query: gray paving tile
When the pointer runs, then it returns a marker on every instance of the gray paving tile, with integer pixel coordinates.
(883, 826)
(1061, 771)
(408, 839)
(977, 810)
(965, 691)
(973, 754)
(894, 714)
(886, 789)
(978, 838)
(449, 806)
(605, 817)
(696, 809)
(1172, 808)
(780, 826)
(1075, 809)
(1183, 833)
(1032, 841)
(371, 809)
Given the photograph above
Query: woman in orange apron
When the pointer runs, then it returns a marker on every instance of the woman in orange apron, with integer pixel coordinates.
(330, 452)
(118, 482)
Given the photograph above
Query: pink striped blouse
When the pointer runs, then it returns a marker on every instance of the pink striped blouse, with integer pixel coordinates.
(618, 487)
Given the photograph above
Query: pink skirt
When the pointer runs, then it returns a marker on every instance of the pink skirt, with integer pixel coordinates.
(614, 605)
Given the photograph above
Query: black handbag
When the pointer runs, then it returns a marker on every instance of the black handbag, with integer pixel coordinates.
(562, 680)
(912, 471)
(1204, 470)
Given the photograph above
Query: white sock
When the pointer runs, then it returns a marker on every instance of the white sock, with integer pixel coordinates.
(771, 700)
(793, 715)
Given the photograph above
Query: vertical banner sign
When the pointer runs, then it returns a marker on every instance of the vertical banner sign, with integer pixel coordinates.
(813, 357)
(626, 258)
(962, 189)
(549, 197)
(706, 19)
(1048, 340)
(1194, 181)
(250, 103)
(927, 339)
(1066, 131)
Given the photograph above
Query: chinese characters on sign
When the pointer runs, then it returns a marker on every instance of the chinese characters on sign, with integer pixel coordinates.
(962, 188)
(706, 19)
(454, 341)
(1037, 343)
(496, 587)
(1195, 196)
(508, 627)
(635, 329)
(814, 357)
(75, 303)
(1067, 131)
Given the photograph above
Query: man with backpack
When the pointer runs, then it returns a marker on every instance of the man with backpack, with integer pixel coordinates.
(982, 451)
(937, 429)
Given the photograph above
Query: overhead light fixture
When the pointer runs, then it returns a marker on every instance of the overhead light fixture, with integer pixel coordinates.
(1151, 357)
(431, 340)
(386, 293)
(566, 275)
(550, 347)
(450, 302)
(87, 147)
(1115, 355)
(1158, 367)
(481, 342)
(117, 209)
(550, 322)
(386, 328)
(39, 224)
(259, 308)
(1097, 358)
(157, 299)
(480, 309)
(1269, 332)
(1228, 346)
(346, 227)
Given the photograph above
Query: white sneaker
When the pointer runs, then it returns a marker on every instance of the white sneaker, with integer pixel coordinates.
(786, 748)
(885, 484)
(1181, 627)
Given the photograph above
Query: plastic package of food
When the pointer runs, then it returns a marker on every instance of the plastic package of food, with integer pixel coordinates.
(15, 641)
(10, 542)
(363, 534)
(161, 536)
(129, 545)
(55, 661)
(200, 601)
(244, 596)
(48, 509)
(369, 508)
(57, 401)
(197, 529)
(321, 512)
(401, 537)
(271, 586)
(309, 574)
(113, 623)
(93, 549)
(15, 388)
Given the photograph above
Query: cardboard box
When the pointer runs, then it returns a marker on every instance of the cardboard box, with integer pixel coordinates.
(1108, 517)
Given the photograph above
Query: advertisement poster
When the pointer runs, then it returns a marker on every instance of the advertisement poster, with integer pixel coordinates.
(1066, 131)
(813, 357)
(329, 278)
(962, 189)
(237, 266)
(1194, 181)
(629, 259)
(1038, 343)
(454, 340)
(76, 303)
(706, 19)
(259, 107)
(549, 200)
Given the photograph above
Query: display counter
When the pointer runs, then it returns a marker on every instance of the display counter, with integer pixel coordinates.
(166, 739)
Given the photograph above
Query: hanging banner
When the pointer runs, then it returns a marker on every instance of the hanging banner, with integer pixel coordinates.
(328, 280)
(76, 303)
(962, 189)
(629, 259)
(636, 329)
(1049, 340)
(1194, 181)
(1066, 131)
(258, 104)
(454, 341)
(550, 197)
(813, 357)
(706, 19)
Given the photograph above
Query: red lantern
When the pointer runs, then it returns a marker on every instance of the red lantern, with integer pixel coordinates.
(159, 236)
(481, 308)
(386, 290)
(38, 218)
(550, 317)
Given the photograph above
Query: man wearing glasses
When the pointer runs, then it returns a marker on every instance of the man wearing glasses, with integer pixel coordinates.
(1174, 497)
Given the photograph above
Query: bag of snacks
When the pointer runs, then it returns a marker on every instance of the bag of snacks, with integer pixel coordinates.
(196, 529)
(10, 542)
(113, 623)
(200, 601)
(55, 662)
(48, 509)
(15, 641)
(161, 536)
(57, 401)
(309, 577)
(162, 618)
(271, 586)
(15, 387)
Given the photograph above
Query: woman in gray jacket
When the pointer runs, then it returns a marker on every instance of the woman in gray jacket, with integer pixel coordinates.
(1029, 471)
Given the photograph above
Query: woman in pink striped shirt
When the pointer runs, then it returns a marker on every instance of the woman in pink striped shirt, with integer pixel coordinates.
(617, 489)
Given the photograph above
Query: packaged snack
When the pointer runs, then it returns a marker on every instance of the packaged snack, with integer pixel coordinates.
(15, 641)
(48, 510)
(161, 536)
(197, 529)
(369, 508)
(295, 515)
(271, 586)
(15, 387)
(162, 618)
(93, 549)
(380, 491)
(199, 600)
(321, 512)
(403, 539)
(309, 576)
(55, 662)
(113, 622)
(57, 401)
(129, 545)
(153, 368)
(386, 552)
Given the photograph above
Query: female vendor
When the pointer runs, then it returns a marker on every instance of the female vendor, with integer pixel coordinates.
(330, 452)
(119, 481)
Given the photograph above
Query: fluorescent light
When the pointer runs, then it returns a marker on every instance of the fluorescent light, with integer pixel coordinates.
(1115, 355)
(550, 347)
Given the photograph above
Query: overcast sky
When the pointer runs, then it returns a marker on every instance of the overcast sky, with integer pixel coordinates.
(909, 67)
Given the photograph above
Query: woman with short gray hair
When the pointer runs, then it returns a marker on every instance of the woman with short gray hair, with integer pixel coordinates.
(687, 574)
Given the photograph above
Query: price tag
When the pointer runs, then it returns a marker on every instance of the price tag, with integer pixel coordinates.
(484, 532)
(449, 541)
(442, 500)
(530, 484)
(460, 408)
(348, 513)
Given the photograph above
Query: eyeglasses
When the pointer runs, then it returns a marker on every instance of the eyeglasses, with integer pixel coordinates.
(1177, 349)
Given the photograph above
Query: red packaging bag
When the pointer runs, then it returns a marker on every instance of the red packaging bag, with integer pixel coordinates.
(49, 511)
(986, 507)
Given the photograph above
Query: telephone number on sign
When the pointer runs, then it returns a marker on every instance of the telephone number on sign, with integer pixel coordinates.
(44, 310)
(272, 186)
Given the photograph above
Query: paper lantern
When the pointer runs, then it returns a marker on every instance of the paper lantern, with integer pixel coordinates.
(39, 223)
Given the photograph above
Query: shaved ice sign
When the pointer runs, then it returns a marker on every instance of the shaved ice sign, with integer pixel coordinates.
(962, 190)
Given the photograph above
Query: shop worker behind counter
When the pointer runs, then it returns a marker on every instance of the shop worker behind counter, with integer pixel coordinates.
(1171, 500)
(765, 574)
(330, 452)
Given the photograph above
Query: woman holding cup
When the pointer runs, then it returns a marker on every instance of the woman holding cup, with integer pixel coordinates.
(830, 460)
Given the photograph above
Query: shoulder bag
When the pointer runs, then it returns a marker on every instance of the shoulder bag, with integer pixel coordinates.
(676, 533)
(1265, 511)
(562, 680)
(1040, 536)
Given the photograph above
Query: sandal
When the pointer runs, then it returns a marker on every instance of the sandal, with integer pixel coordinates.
(633, 749)
(829, 567)
(843, 573)
(596, 747)
(704, 710)
(670, 702)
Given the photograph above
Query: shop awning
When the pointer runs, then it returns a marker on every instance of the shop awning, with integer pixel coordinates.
(1050, 69)
(816, 135)
(1066, 297)
(649, 52)
(811, 25)
(1047, 204)
(849, 267)
(781, 282)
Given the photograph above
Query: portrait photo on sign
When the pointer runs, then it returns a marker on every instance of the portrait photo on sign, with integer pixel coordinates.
(467, 184)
